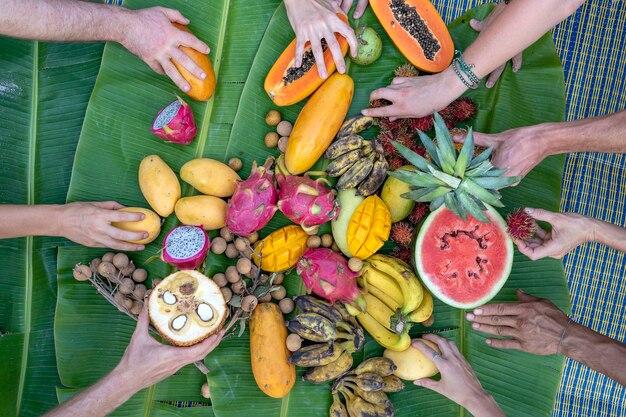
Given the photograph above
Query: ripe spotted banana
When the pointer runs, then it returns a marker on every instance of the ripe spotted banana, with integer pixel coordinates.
(343, 145)
(357, 173)
(425, 309)
(393, 384)
(337, 409)
(345, 315)
(386, 409)
(376, 279)
(316, 355)
(329, 371)
(375, 179)
(344, 163)
(379, 365)
(404, 276)
(354, 125)
(375, 397)
(384, 337)
(357, 406)
(312, 326)
(369, 381)
(309, 304)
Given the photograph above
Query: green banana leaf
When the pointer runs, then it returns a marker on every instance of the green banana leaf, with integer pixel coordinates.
(44, 90)
(90, 335)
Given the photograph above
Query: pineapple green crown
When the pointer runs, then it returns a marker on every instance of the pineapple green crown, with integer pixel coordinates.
(459, 180)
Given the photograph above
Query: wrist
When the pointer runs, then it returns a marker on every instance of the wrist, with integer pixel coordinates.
(574, 339)
(482, 405)
(120, 29)
(451, 83)
(129, 377)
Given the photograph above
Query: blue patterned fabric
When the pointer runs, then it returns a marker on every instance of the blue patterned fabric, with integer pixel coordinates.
(592, 47)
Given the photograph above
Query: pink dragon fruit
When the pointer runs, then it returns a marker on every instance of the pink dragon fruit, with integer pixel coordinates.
(175, 123)
(185, 247)
(326, 274)
(305, 201)
(254, 201)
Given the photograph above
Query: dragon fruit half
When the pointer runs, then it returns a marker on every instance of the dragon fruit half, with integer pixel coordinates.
(305, 201)
(326, 274)
(185, 247)
(254, 201)
(175, 123)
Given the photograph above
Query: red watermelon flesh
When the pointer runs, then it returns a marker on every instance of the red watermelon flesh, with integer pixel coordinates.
(463, 262)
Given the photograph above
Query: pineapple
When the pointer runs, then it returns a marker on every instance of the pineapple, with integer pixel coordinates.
(458, 179)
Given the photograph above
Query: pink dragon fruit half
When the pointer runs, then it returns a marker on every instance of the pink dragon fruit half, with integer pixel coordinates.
(326, 274)
(185, 247)
(253, 203)
(305, 201)
(175, 123)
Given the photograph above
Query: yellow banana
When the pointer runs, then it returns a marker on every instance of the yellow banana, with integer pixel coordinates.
(404, 276)
(378, 310)
(384, 337)
(389, 302)
(386, 284)
(425, 309)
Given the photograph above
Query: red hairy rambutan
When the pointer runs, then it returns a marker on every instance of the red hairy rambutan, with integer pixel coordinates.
(406, 70)
(395, 162)
(463, 109)
(520, 225)
(419, 212)
(402, 233)
(402, 253)
(422, 123)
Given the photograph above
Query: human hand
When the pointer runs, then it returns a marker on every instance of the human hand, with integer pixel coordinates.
(458, 381)
(151, 36)
(534, 325)
(568, 231)
(416, 96)
(90, 224)
(313, 20)
(479, 26)
(146, 361)
(517, 150)
(360, 7)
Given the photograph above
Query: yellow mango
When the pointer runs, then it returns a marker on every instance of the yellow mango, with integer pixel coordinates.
(391, 193)
(412, 364)
(369, 227)
(159, 185)
(281, 249)
(210, 177)
(151, 224)
(202, 210)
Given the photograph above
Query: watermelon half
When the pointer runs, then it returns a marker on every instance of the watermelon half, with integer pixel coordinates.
(464, 263)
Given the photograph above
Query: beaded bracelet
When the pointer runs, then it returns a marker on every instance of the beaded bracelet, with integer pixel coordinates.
(569, 323)
(464, 71)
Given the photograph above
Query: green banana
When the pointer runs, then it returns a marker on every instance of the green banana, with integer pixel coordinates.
(357, 173)
(355, 124)
(337, 409)
(308, 304)
(316, 355)
(375, 179)
(393, 384)
(380, 365)
(343, 145)
(343, 163)
(329, 371)
(313, 327)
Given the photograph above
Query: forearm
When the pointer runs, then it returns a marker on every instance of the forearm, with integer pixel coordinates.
(101, 398)
(608, 234)
(484, 406)
(520, 24)
(596, 351)
(62, 20)
(30, 220)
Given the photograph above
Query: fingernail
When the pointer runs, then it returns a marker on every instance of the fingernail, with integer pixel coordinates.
(489, 84)
(478, 311)
(418, 383)
(470, 316)
(365, 112)
(475, 325)
(186, 88)
(202, 76)
(143, 216)
(145, 235)
(529, 210)
(488, 341)
(515, 69)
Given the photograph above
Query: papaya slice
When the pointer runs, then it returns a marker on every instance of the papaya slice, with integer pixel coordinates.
(418, 31)
(287, 84)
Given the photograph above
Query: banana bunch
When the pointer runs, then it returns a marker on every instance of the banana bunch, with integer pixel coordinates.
(394, 298)
(365, 390)
(335, 333)
(358, 163)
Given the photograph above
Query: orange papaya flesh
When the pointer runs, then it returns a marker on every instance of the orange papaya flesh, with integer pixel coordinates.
(418, 31)
(287, 84)
(200, 90)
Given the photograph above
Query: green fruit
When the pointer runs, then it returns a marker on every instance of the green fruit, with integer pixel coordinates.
(391, 193)
(370, 46)
(348, 203)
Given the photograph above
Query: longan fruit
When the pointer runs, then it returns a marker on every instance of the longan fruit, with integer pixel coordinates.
(226, 234)
(273, 118)
(108, 257)
(271, 139)
(81, 272)
(249, 303)
(235, 164)
(108, 270)
(286, 305)
(266, 298)
(231, 251)
(241, 244)
(218, 246)
(314, 242)
(334, 247)
(253, 238)
(279, 294)
(282, 144)
(140, 291)
(136, 307)
(127, 286)
(128, 303)
(284, 128)
(239, 287)
(120, 260)
(327, 240)
(94, 264)
(244, 265)
(140, 275)
(278, 279)
(226, 293)
(312, 230)
(128, 270)
(355, 264)
(232, 275)
(294, 342)
(220, 279)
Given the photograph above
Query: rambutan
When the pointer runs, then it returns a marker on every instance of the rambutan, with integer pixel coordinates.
(402, 253)
(447, 114)
(381, 102)
(396, 162)
(385, 137)
(424, 124)
(419, 212)
(520, 225)
(406, 70)
(463, 108)
(393, 125)
(402, 233)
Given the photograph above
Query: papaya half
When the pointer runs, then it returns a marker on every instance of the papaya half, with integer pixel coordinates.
(318, 122)
(287, 84)
(418, 31)
(200, 90)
